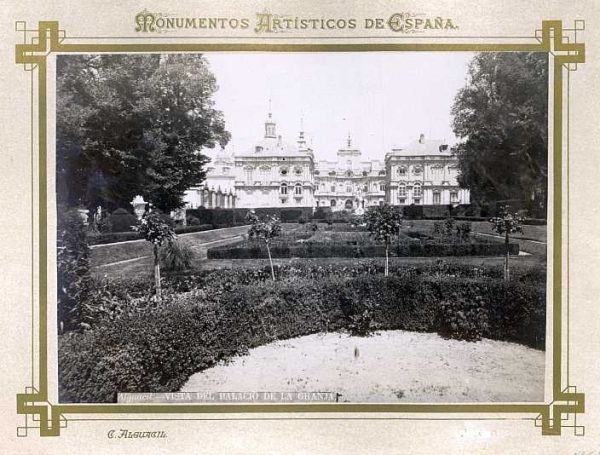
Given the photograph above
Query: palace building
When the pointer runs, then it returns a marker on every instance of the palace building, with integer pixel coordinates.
(274, 173)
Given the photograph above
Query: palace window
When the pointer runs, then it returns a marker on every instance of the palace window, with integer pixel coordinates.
(437, 199)
(381, 172)
(332, 173)
(382, 187)
(349, 173)
(283, 171)
(333, 202)
(333, 188)
(365, 173)
(401, 201)
(417, 170)
(298, 189)
(283, 188)
(402, 190)
(402, 171)
(417, 201)
(298, 171)
(453, 196)
(316, 172)
(417, 190)
(248, 172)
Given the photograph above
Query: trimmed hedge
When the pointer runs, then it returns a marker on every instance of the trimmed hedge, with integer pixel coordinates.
(405, 249)
(158, 349)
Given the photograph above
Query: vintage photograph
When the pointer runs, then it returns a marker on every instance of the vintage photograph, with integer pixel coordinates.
(352, 227)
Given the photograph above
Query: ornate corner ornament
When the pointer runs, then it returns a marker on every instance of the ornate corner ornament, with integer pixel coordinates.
(566, 402)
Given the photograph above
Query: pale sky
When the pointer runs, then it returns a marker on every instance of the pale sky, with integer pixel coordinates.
(383, 99)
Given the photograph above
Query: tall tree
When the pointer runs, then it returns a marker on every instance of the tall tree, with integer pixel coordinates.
(132, 125)
(501, 117)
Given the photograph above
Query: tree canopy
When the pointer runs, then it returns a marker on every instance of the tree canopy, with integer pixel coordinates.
(132, 125)
(501, 118)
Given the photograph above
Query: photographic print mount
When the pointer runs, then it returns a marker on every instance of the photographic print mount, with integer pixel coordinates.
(559, 412)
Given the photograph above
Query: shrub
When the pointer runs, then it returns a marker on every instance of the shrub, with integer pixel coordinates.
(176, 256)
(192, 221)
(463, 319)
(122, 221)
(463, 230)
(73, 271)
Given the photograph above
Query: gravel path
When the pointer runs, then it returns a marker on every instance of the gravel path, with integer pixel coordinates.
(390, 366)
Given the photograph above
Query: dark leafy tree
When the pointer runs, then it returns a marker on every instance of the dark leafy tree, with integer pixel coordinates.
(132, 125)
(501, 118)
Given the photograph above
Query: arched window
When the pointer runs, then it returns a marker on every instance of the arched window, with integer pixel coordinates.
(298, 189)
(283, 188)
(333, 202)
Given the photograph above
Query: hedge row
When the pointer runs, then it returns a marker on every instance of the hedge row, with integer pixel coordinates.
(405, 249)
(159, 349)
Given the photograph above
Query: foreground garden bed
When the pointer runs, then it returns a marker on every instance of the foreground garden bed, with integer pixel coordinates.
(145, 347)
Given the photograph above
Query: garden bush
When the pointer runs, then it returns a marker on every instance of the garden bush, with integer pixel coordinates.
(228, 312)
(462, 319)
(176, 256)
(122, 221)
(73, 271)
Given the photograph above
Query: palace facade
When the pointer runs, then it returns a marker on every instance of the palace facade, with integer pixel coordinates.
(274, 173)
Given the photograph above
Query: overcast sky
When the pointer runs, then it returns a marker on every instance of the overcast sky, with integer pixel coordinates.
(382, 98)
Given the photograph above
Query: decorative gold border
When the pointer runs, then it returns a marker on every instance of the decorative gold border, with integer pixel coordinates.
(34, 402)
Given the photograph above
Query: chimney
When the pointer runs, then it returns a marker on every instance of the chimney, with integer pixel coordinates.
(422, 139)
